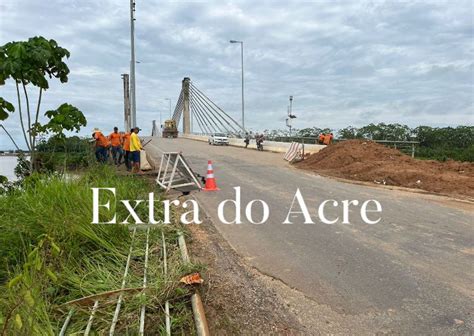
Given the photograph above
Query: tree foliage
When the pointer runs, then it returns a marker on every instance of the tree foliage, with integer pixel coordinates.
(65, 118)
(5, 108)
(382, 131)
(33, 61)
(440, 143)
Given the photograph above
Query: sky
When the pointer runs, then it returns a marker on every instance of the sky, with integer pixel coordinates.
(345, 62)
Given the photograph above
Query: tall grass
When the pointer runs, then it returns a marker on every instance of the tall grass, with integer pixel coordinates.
(50, 253)
(63, 210)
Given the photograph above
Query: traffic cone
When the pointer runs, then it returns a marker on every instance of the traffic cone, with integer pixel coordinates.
(210, 180)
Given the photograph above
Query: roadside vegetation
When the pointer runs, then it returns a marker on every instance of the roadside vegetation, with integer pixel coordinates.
(436, 143)
(54, 263)
(64, 153)
(51, 254)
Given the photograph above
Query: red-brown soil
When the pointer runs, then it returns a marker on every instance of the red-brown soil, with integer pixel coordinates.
(368, 161)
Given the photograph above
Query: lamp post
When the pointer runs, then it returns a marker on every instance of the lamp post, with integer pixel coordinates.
(132, 65)
(242, 62)
(169, 99)
(290, 114)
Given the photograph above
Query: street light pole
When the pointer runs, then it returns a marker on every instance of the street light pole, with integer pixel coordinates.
(169, 99)
(132, 65)
(242, 63)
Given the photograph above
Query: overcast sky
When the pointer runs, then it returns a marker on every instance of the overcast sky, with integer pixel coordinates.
(345, 62)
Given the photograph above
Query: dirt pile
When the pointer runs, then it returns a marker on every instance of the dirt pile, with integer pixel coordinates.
(368, 161)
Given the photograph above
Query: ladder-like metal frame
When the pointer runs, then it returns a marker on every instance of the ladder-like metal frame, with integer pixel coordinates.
(175, 172)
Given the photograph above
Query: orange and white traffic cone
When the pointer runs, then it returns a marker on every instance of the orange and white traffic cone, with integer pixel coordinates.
(210, 180)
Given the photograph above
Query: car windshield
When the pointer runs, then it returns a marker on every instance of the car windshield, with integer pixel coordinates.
(219, 134)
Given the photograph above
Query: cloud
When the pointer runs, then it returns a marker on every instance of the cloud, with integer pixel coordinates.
(344, 62)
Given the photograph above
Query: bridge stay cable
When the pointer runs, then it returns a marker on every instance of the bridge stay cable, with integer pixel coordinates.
(214, 111)
(209, 121)
(179, 111)
(210, 114)
(216, 106)
(199, 118)
(178, 108)
(192, 103)
(211, 107)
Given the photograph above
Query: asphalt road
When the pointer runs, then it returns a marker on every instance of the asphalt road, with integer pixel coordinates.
(412, 273)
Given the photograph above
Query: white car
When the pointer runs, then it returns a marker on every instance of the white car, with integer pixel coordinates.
(218, 139)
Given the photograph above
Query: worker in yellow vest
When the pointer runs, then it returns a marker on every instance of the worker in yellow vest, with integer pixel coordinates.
(135, 148)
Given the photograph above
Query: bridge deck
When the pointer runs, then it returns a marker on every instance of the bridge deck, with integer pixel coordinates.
(409, 274)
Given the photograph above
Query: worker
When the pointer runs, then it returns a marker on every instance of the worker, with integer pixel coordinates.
(259, 141)
(126, 149)
(116, 141)
(135, 148)
(328, 138)
(247, 140)
(321, 138)
(101, 145)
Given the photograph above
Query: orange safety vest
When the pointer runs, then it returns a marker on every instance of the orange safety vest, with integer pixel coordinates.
(126, 141)
(327, 139)
(115, 139)
(101, 140)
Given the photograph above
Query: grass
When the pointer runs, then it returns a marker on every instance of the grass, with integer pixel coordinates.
(51, 254)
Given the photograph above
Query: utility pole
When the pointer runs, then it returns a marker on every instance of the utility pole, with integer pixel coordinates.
(186, 114)
(126, 102)
(242, 62)
(132, 65)
(154, 131)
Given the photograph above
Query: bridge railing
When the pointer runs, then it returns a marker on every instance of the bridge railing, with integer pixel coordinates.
(407, 147)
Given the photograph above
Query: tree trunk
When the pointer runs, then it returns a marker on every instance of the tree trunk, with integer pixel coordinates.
(36, 117)
(21, 116)
(32, 148)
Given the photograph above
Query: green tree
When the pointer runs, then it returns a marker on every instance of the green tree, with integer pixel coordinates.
(382, 131)
(312, 131)
(65, 118)
(349, 132)
(32, 63)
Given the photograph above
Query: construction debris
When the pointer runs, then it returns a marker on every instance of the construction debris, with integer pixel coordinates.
(376, 163)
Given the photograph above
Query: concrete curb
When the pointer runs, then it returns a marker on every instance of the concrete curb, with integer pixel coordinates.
(270, 146)
(200, 320)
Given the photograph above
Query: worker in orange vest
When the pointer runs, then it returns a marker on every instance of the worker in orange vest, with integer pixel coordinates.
(126, 149)
(116, 142)
(321, 138)
(328, 139)
(101, 145)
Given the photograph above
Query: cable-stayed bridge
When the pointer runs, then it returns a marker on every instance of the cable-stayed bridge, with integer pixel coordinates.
(196, 111)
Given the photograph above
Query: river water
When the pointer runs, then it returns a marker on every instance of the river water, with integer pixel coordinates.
(7, 166)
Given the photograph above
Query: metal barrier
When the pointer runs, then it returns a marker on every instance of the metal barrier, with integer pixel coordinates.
(295, 152)
(175, 173)
(407, 147)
